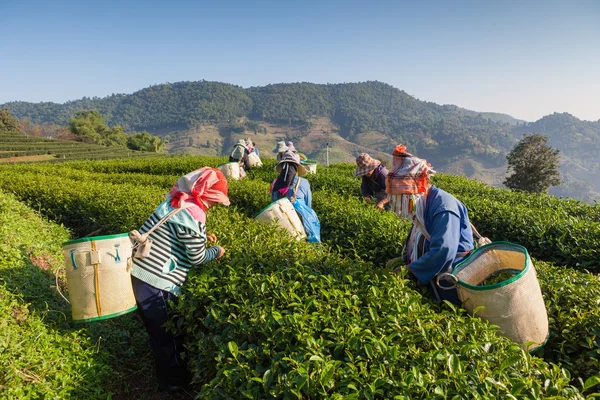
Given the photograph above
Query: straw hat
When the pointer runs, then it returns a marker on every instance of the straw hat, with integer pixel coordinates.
(365, 164)
(291, 147)
(280, 148)
(291, 158)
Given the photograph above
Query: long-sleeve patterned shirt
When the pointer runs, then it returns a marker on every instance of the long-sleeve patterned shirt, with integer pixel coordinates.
(175, 250)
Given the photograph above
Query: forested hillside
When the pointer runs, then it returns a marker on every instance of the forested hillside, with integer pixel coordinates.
(368, 116)
(354, 107)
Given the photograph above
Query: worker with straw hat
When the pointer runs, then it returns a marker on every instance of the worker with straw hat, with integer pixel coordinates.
(373, 175)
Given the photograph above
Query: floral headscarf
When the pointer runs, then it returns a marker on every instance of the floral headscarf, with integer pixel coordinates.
(199, 186)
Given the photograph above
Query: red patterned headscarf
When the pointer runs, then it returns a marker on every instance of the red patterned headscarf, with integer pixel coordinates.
(408, 175)
(198, 187)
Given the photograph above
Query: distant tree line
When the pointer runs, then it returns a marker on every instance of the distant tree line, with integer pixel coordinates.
(441, 132)
(355, 107)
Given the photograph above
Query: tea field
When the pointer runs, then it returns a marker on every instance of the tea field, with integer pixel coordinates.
(17, 147)
(280, 319)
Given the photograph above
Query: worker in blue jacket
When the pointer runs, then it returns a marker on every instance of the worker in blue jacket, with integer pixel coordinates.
(441, 234)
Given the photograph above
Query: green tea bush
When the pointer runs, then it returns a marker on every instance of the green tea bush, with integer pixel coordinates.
(160, 165)
(86, 207)
(280, 318)
(36, 359)
(258, 256)
(572, 298)
(563, 207)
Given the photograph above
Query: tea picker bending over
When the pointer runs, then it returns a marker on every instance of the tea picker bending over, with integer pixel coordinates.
(292, 148)
(252, 147)
(441, 234)
(290, 184)
(177, 245)
(280, 149)
(373, 180)
(240, 154)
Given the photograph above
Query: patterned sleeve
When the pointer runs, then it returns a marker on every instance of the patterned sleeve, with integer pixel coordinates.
(195, 245)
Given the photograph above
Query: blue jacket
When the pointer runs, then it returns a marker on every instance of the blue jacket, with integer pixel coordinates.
(303, 193)
(447, 221)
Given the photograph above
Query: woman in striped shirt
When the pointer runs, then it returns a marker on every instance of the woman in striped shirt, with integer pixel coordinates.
(177, 245)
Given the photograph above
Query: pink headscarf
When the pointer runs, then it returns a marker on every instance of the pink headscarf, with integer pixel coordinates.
(199, 186)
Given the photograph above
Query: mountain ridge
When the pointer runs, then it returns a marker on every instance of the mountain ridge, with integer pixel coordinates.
(355, 112)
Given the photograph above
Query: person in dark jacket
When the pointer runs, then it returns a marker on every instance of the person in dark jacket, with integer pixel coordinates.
(373, 180)
(178, 245)
(441, 234)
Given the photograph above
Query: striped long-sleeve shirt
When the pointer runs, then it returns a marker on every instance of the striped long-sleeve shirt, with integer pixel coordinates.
(175, 250)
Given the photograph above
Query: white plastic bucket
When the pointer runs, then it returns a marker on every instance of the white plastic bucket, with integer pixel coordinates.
(230, 170)
(99, 277)
(283, 213)
(311, 166)
(254, 160)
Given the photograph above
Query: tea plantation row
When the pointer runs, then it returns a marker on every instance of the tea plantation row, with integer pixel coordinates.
(89, 205)
(359, 230)
(278, 318)
(38, 359)
(561, 231)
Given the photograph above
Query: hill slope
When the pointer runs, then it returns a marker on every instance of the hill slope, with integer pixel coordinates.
(208, 117)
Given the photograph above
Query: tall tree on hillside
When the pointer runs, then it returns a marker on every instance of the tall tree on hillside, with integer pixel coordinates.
(145, 142)
(8, 123)
(533, 165)
(89, 127)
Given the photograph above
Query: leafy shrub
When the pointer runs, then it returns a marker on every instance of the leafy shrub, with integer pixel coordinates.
(36, 359)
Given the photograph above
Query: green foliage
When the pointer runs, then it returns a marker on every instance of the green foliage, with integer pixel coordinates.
(8, 123)
(37, 360)
(145, 142)
(533, 165)
(571, 298)
(280, 318)
(89, 127)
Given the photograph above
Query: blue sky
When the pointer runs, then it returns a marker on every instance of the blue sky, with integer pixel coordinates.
(524, 58)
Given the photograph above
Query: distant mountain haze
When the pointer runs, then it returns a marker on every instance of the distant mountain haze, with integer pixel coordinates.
(208, 117)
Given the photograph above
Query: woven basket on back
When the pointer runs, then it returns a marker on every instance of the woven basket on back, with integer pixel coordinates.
(516, 304)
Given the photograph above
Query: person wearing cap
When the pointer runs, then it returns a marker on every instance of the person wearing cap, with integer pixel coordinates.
(290, 183)
(177, 245)
(441, 234)
(373, 175)
(280, 149)
(240, 154)
(291, 148)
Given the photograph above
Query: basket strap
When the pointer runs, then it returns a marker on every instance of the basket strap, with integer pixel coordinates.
(422, 228)
(163, 220)
(293, 198)
(481, 240)
(475, 232)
